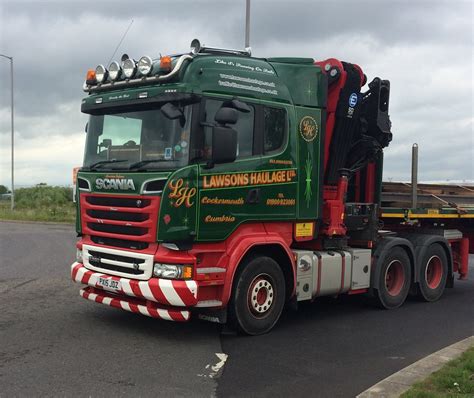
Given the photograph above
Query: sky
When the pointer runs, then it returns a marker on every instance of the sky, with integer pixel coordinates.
(424, 47)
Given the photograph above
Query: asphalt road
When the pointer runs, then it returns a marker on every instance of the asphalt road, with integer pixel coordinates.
(54, 343)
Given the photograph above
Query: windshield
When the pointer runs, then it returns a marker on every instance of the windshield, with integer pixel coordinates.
(144, 139)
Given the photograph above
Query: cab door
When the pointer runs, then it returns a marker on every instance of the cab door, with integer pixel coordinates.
(260, 185)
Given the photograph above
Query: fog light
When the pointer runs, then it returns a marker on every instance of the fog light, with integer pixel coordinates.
(145, 65)
(129, 67)
(100, 73)
(114, 71)
(172, 271)
(79, 256)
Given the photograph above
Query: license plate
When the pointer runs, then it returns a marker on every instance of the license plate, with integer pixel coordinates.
(109, 284)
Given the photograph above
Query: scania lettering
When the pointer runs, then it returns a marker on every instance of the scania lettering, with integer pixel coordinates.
(123, 184)
(221, 186)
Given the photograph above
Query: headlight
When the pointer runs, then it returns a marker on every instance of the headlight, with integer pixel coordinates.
(129, 68)
(79, 255)
(145, 65)
(172, 271)
(100, 73)
(114, 71)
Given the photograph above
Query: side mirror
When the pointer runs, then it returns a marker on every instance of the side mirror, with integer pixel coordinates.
(172, 112)
(224, 144)
(226, 116)
(86, 127)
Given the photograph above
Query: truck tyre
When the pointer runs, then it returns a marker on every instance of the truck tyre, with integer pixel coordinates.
(394, 279)
(433, 273)
(258, 296)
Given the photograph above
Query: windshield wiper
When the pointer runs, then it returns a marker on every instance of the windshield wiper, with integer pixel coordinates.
(141, 163)
(94, 165)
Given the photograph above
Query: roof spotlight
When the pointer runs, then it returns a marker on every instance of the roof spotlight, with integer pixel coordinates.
(129, 67)
(145, 65)
(100, 73)
(114, 70)
(195, 46)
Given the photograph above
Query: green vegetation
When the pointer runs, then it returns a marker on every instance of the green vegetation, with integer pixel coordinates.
(3, 190)
(455, 379)
(40, 203)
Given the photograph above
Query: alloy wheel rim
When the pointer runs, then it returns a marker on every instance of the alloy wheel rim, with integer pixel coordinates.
(261, 295)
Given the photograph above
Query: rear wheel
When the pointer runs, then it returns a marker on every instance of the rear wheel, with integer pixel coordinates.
(258, 296)
(433, 273)
(394, 279)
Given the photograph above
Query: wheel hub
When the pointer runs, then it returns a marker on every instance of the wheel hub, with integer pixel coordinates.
(260, 295)
(434, 272)
(394, 278)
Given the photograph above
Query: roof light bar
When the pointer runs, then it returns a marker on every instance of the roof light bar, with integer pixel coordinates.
(129, 76)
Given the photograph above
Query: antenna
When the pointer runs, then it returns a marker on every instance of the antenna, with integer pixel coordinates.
(120, 42)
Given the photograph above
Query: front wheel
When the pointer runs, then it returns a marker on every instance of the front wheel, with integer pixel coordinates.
(258, 296)
(394, 279)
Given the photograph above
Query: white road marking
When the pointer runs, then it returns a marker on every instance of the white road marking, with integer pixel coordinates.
(217, 367)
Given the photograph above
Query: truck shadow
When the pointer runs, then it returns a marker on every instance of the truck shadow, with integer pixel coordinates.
(343, 312)
(143, 326)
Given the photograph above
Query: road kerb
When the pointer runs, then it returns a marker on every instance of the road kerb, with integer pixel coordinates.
(396, 384)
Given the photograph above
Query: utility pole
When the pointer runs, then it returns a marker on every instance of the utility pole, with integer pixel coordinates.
(247, 24)
(13, 129)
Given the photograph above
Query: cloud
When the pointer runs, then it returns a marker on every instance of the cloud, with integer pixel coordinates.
(41, 159)
(423, 47)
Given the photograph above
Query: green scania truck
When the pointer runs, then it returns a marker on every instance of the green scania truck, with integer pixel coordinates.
(221, 186)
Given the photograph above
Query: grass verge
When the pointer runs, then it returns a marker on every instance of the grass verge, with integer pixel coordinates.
(65, 213)
(455, 379)
(40, 203)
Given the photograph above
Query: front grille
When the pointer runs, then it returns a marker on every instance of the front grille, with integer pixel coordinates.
(138, 203)
(129, 218)
(126, 244)
(116, 257)
(117, 215)
(117, 229)
(111, 267)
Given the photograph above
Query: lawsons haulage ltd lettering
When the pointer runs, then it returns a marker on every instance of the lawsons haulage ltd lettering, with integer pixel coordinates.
(243, 179)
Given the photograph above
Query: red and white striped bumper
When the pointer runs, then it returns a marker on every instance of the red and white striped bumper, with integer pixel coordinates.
(144, 307)
(162, 292)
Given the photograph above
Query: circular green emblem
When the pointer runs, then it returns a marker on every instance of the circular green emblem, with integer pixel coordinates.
(308, 128)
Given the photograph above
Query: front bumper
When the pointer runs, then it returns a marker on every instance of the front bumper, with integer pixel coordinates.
(139, 296)
(144, 307)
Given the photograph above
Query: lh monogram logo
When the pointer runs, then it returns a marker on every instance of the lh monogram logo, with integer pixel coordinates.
(182, 194)
(308, 128)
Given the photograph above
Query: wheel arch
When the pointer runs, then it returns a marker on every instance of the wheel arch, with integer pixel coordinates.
(420, 243)
(383, 249)
(276, 250)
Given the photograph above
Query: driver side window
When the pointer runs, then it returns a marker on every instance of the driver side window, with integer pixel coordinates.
(244, 128)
